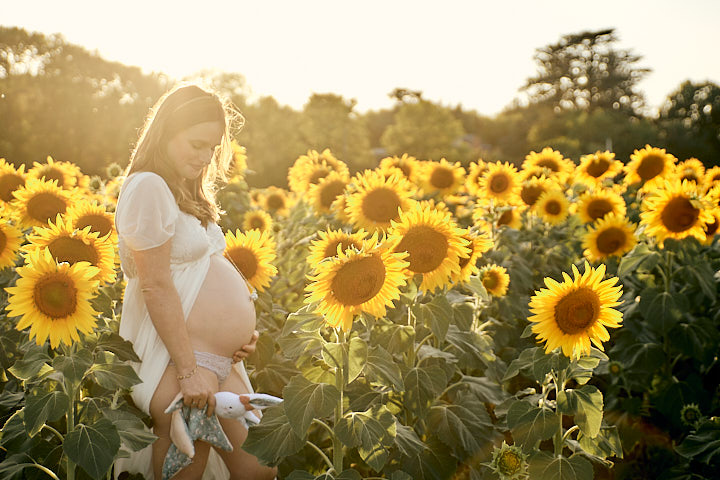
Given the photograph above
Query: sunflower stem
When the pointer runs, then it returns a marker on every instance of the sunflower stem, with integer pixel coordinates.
(72, 394)
(559, 437)
(340, 384)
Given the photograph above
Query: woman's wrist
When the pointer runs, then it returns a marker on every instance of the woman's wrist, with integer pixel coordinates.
(188, 374)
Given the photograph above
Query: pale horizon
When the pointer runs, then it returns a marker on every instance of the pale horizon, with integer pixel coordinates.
(363, 51)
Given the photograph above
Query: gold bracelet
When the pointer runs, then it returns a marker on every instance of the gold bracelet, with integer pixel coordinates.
(188, 375)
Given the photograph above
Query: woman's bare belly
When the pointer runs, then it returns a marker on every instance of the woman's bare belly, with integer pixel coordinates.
(222, 319)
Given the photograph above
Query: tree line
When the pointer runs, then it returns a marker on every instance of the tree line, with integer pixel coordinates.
(59, 99)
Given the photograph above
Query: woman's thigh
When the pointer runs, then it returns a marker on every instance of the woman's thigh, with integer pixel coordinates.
(240, 463)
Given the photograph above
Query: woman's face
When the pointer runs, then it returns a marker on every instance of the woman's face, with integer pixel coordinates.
(192, 149)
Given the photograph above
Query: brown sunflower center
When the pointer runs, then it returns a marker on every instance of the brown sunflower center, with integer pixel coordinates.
(499, 183)
(611, 240)
(577, 310)
(381, 205)
(710, 229)
(505, 218)
(330, 192)
(651, 166)
(331, 248)
(73, 250)
(275, 202)
(245, 260)
(598, 208)
(490, 280)
(50, 173)
(98, 223)
(442, 178)
(45, 206)
(257, 222)
(553, 207)
(426, 246)
(597, 167)
(318, 174)
(530, 194)
(358, 281)
(549, 163)
(679, 215)
(8, 184)
(55, 295)
(404, 168)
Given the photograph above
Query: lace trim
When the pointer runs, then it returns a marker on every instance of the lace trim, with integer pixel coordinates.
(218, 364)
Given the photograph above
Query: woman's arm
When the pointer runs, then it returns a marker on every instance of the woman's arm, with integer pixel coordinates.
(165, 309)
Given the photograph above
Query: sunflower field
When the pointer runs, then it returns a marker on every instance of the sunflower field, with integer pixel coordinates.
(423, 320)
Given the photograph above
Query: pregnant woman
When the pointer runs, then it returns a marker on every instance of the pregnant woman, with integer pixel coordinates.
(187, 310)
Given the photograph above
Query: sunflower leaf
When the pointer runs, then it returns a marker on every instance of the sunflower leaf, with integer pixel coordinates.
(133, 432)
(112, 342)
(40, 409)
(73, 367)
(93, 447)
(357, 358)
(436, 315)
(659, 308)
(382, 368)
(31, 364)
(605, 444)
(371, 431)
(422, 385)
(407, 440)
(463, 426)
(586, 403)
(640, 256)
(395, 338)
(305, 401)
(543, 465)
(530, 425)
(273, 438)
(114, 375)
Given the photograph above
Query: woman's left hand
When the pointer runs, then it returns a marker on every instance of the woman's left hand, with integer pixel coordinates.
(246, 350)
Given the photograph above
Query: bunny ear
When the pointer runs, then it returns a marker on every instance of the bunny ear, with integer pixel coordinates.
(175, 403)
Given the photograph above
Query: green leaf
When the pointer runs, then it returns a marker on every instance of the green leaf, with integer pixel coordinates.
(543, 363)
(639, 256)
(133, 432)
(465, 425)
(396, 339)
(74, 367)
(357, 358)
(422, 385)
(606, 444)
(659, 308)
(40, 409)
(32, 363)
(529, 424)
(436, 315)
(524, 361)
(485, 389)
(273, 438)
(114, 376)
(703, 445)
(704, 274)
(371, 431)
(475, 348)
(475, 285)
(304, 320)
(382, 368)
(123, 349)
(332, 354)
(93, 447)
(543, 466)
(305, 400)
(436, 462)
(407, 440)
(586, 403)
(298, 343)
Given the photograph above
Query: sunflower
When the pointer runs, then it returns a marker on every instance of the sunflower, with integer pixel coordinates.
(53, 299)
(326, 191)
(10, 180)
(552, 160)
(257, 219)
(357, 281)
(275, 200)
(309, 169)
(649, 166)
(577, 311)
(434, 242)
(112, 190)
(376, 200)
(676, 211)
(552, 206)
(532, 188)
(472, 182)
(409, 166)
(495, 279)
(67, 244)
(52, 170)
(40, 201)
(10, 240)
(500, 183)
(442, 177)
(239, 159)
(712, 176)
(327, 243)
(612, 235)
(596, 167)
(477, 244)
(594, 205)
(692, 170)
(88, 213)
(252, 253)
(505, 215)
(711, 227)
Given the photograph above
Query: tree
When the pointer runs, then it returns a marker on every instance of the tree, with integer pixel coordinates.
(690, 122)
(424, 130)
(586, 71)
(328, 121)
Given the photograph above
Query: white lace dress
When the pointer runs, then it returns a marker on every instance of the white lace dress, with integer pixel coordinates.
(147, 217)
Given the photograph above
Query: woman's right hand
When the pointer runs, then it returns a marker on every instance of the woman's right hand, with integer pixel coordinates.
(197, 391)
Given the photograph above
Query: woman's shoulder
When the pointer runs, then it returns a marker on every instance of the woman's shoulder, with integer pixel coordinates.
(145, 178)
(146, 185)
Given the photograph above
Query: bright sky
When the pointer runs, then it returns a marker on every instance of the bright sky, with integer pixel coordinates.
(471, 52)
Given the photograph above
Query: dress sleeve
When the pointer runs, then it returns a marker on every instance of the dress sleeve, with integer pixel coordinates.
(146, 212)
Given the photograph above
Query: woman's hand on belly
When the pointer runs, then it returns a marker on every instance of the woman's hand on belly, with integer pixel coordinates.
(246, 350)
